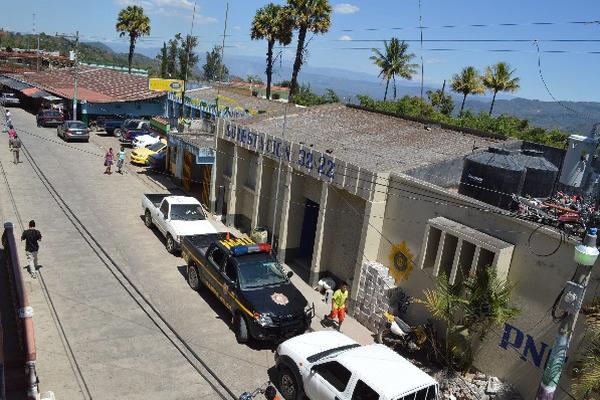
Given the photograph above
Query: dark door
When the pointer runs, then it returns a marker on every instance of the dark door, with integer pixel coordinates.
(309, 230)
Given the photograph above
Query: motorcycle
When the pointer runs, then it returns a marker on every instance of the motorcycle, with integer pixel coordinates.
(267, 389)
(397, 334)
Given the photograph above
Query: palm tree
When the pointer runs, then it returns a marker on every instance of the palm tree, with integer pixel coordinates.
(467, 82)
(274, 24)
(133, 22)
(394, 61)
(587, 381)
(308, 16)
(498, 78)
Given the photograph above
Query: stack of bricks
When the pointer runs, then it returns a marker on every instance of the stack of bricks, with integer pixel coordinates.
(376, 294)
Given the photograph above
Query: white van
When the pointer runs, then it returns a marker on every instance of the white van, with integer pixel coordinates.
(328, 365)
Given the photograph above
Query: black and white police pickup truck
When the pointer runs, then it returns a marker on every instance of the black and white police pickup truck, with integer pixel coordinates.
(249, 281)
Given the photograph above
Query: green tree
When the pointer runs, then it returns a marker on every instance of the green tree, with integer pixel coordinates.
(330, 96)
(441, 101)
(254, 79)
(274, 24)
(188, 59)
(172, 52)
(164, 61)
(467, 82)
(308, 16)
(394, 61)
(469, 311)
(133, 22)
(499, 78)
(214, 69)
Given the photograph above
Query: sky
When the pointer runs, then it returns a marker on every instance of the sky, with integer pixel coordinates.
(569, 67)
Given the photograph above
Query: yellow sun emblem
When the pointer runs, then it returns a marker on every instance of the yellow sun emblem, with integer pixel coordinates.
(401, 262)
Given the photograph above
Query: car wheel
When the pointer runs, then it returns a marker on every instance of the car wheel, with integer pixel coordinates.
(117, 133)
(192, 277)
(288, 386)
(171, 246)
(148, 219)
(241, 329)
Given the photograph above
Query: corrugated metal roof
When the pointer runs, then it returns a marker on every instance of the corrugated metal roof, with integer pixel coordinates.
(13, 83)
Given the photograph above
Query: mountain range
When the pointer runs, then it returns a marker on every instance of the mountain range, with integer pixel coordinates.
(574, 117)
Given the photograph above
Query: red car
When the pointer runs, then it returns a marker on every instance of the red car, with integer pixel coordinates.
(49, 118)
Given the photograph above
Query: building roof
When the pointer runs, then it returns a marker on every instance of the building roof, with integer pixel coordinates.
(237, 98)
(95, 85)
(377, 142)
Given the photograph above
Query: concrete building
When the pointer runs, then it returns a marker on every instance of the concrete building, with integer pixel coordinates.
(337, 187)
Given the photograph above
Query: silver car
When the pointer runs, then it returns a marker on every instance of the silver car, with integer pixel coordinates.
(73, 130)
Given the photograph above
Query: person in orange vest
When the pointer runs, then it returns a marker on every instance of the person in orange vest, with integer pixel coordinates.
(338, 305)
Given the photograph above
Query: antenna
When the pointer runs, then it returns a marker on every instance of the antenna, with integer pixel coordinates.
(421, 28)
(222, 53)
(188, 48)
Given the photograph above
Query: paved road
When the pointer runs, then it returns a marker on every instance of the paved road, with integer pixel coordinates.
(120, 352)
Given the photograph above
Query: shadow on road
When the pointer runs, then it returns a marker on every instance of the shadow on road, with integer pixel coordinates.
(223, 313)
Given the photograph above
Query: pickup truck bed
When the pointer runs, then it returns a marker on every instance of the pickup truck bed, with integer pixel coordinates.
(197, 245)
(156, 199)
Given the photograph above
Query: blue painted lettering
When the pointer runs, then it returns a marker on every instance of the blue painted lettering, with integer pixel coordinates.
(518, 340)
(530, 348)
(513, 337)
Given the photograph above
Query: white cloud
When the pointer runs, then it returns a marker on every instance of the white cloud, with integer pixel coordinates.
(345, 38)
(345, 8)
(169, 8)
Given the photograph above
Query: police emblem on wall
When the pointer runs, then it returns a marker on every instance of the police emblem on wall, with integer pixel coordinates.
(401, 262)
(279, 298)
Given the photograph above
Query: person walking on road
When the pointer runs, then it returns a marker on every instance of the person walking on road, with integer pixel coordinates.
(109, 158)
(7, 116)
(11, 132)
(120, 160)
(14, 144)
(31, 237)
(338, 305)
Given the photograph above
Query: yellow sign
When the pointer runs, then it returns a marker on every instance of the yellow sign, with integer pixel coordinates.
(401, 262)
(166, 85)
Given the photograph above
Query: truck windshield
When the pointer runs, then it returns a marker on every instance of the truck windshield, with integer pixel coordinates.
(258, 274)
(187, 212)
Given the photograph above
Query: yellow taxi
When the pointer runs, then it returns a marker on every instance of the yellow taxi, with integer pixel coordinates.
(141, 155)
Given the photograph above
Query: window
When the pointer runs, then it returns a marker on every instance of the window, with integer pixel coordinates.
(218, 258)
(231, 271)
(187, 212)
(362, 391)
(164, 208)
(335, 373)
(428, 393)
(459, 251)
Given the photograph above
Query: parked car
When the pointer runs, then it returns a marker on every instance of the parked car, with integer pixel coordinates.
(158, 162)
(175, 217)
(108, 125)
(140, 156)
(145, 141)
(9, 100)
(49, 118)
(328, 365)
(73, 130)
(251, 283)
(131, 128)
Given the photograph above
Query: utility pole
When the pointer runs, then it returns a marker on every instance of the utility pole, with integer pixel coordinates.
(188, 48)
(421, 29)
(586, 255)
(37, 53)
(75, 75)
(222, 54)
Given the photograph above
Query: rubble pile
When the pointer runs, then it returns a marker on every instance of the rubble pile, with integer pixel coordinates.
(478, 386)
(376, 294)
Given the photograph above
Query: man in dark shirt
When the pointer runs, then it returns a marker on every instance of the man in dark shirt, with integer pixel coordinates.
(31, 237)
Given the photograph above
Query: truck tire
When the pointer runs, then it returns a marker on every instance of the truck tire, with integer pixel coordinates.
(117, 132)
(288, 384)
(148, 219)
(193, 277)
(171, 245)
(241, 329)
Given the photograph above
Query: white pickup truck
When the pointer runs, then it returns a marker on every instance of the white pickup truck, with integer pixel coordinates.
(175, 217)
(328, 365)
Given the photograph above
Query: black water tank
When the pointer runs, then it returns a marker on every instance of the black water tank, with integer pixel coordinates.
(492, 176)
(540, 176)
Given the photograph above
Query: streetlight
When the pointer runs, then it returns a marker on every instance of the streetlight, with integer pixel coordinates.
(586, 254)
